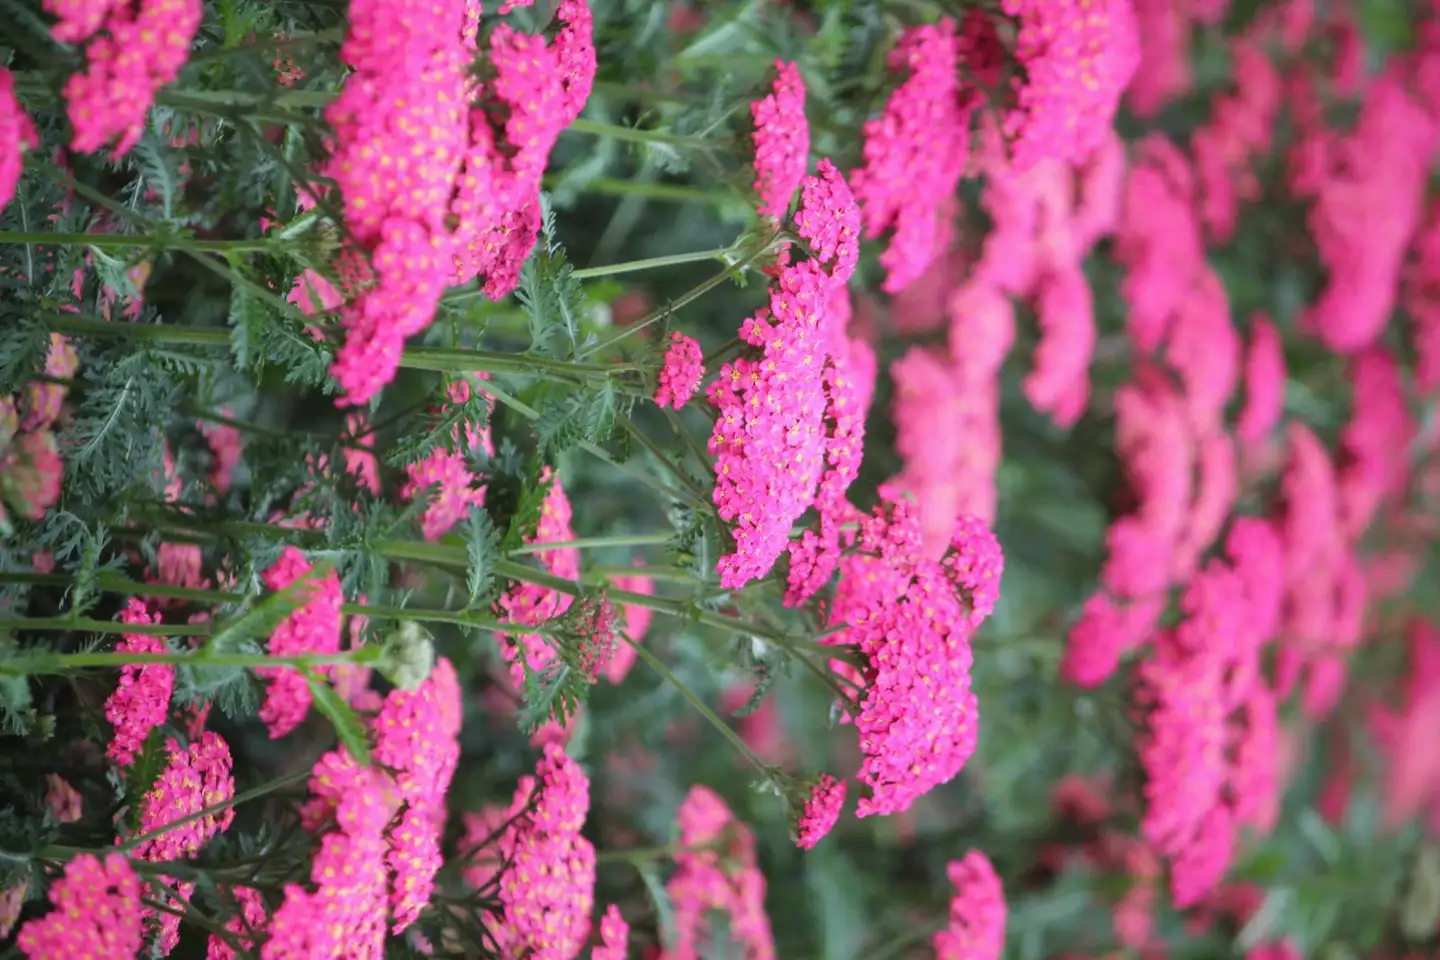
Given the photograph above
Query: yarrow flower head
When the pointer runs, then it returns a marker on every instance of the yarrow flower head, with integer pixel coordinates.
(17, 133)
(417, 735)
(782, 141)
(819, 810)
(97, 913)
(532, 604)
(131, 51)
(313, 628)
(680, 372)
(548, 886)
(614, 936)
(243, 926)
(1078, 57)
(142, 699)
(722, 880)
(768, 441)
(915, 151)
(196, 777)
(62, 801)
(345, 913)
(829, 219)
(977, 912)
(912, 619)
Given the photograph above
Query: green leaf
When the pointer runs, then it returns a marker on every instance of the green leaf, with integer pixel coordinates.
(482, 547)
(553, 299)
(554, 692)
(348, 726)
(569, 417)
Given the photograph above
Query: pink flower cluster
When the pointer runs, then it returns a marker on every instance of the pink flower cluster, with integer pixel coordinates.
(436, 193)
(1239, 131)
(680, 372)
(97, 913)
(819, 812)
(1208, 745)
(142, 698)
(637, 622)
(1045, 221)
(977, 912)
(545, 868)
(912, 618)
(313, 628)
(1368, 198)
(788, 425)
(915, 152)
(614, 937)
(723, 879)
(445, 471)
(196, 777)
(532, 604)
(30, 466)
(1404, 731)
(1078, 57)
(782, 141)
(131, 51)
(17, 134)
(379, 861)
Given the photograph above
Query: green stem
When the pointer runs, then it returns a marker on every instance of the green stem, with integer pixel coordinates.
(596, 128)
(586, 543)
(650, 263)
(32, 664)
(115, 584)
(110, 240)
(646, 854)
(655, 574)
(626, 92)
(722, 353)
(414, 358)
(280, 783)
(660, 455)
(671, 192)
(700, 706)
(684, 300)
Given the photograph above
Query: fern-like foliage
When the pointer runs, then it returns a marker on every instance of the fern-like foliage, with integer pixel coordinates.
(552, 297)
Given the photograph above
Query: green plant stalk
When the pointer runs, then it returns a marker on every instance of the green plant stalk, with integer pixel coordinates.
(650, 263)
(700, 706)
(685, 299)
(111, 240)
(663, 459)
(113, 584)
(271, 43)
(33, 664)
(414, 358)
(665, 192)
(587, 543)
(596, 128)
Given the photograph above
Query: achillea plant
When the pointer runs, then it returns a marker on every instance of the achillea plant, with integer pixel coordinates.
(858, 478)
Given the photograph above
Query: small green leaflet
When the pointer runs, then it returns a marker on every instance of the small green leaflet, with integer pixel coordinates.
(347, 723)
(482, 545)
(555, 691)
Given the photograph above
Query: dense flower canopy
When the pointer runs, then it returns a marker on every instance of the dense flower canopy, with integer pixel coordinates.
(846, 479)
